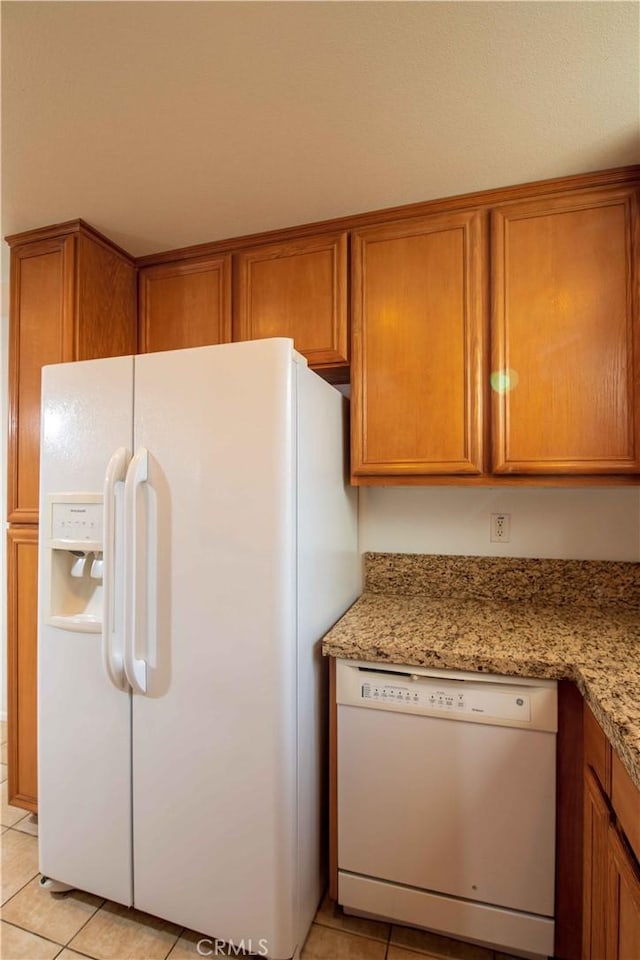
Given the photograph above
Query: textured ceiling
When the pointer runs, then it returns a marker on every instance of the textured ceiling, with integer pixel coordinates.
(172, 123)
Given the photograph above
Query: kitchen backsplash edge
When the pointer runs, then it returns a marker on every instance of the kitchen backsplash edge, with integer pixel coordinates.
(503, 579)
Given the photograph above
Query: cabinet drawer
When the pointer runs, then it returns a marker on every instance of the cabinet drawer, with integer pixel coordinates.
(597, 750)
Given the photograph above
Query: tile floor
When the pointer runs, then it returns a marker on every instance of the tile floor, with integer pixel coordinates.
(38, 926)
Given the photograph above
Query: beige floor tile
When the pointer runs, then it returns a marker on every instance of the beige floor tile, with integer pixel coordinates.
(19, 862)
(332, 915)
(19, 945)
(9, 815)
(323, 943)
(187, 947)
(434, 946)
(58, 917)
(115, 932)
(71, 955)
(399, 953)
(3, 772)
(28, 824)
(3, 731)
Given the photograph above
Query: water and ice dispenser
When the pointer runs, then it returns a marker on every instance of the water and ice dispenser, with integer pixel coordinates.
(74, 562)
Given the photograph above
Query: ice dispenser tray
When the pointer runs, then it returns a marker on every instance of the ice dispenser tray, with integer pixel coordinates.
(74, 561)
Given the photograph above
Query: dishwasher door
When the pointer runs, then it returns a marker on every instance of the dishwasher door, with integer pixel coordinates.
(437, 793)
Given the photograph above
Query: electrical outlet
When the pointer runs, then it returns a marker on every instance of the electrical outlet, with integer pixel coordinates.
(500, 527)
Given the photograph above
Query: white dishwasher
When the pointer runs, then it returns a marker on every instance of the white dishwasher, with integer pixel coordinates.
(446, 802)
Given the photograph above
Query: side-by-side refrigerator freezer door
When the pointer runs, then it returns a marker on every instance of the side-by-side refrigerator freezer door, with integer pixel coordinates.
(214, 733)
(84, 704)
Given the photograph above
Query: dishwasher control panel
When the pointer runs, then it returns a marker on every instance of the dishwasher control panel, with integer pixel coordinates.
(449, 698)
(464, 696)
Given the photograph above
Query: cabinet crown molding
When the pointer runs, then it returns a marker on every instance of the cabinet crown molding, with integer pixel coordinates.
(480, 199)
(69, 228)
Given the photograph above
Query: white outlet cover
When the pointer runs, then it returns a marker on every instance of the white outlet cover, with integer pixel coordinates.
(500, 528)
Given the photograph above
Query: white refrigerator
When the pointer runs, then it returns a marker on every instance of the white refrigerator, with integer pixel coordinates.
(198, 538)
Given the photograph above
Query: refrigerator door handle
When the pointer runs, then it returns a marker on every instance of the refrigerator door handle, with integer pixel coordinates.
(135, 604)
(112, 597)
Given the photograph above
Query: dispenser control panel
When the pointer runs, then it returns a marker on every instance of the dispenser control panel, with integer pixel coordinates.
(76, 521)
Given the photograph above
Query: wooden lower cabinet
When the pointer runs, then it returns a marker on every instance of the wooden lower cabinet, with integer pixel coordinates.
(22, 623)
(611, 872)
(596, 832)
(623, 900)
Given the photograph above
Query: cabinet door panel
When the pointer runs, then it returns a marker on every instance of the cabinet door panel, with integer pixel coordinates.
(623, 908)
(625, 798)
(564, 329)
(41, 333)
(596, 825)
(22, 590)
(418, 330)
(299, 290)
(185, 305)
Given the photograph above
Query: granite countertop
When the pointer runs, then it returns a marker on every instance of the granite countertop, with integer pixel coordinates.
(578, 620)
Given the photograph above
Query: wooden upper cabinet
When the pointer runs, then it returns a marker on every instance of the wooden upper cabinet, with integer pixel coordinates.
(41, 332)
(565, 334)
(185, 304)
(295, 289)
(73, 297)
(418, 328)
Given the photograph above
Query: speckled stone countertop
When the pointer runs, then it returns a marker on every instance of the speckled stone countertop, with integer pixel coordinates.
(572, 619)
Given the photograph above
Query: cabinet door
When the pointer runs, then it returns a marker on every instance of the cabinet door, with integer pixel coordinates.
(73, 297)
(41, 333)
(565, 349)
(596, 825)
(299, 290)
(623, 908)
(625, 798)
(418, 332)
(22, 589)
(185, 304)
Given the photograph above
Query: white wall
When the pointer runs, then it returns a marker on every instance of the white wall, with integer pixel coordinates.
(579, 523)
